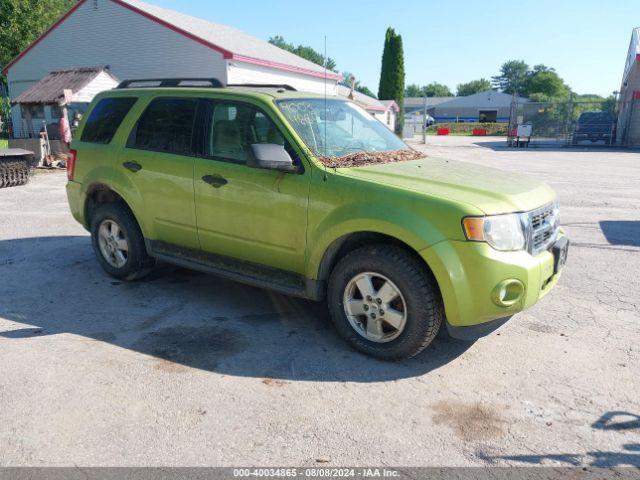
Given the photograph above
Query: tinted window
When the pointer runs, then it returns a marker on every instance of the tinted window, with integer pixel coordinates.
(235, 127)
(167, 126)
(596, 117)
(105, 119)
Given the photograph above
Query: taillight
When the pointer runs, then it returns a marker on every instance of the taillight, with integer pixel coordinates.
(71, 163)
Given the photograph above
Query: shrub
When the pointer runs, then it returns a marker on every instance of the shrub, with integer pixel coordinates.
(498, 129)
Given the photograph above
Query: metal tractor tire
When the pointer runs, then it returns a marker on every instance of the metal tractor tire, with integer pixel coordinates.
(14, 173)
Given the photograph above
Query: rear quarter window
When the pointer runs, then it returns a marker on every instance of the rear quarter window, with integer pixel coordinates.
(105, 118)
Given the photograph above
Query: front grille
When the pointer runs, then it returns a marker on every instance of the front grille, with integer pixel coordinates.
(543, 228)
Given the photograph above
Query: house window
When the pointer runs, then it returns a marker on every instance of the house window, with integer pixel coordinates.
(388, 118)
(56, 112)
(36, 111)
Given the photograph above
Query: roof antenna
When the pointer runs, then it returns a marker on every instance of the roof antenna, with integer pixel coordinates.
(325, 109)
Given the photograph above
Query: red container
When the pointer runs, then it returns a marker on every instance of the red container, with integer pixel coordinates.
(443, 131)
(479, 132)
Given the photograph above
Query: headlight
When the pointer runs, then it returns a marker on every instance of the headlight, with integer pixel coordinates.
(502, 232)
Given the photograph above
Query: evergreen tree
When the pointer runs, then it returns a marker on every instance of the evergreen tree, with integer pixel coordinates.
(392, 74)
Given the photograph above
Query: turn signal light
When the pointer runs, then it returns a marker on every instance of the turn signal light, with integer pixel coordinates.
(474, 228)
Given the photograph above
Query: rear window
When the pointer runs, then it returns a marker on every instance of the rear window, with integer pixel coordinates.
(105, 119)
(166, 126)
(596, 117)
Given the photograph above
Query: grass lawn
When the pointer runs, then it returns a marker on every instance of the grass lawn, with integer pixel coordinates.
(4, 143)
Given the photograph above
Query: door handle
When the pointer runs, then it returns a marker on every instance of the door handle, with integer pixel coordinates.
(132, 166)
(215, 181)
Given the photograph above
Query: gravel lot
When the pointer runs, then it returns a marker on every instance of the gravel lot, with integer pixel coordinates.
(185, 369)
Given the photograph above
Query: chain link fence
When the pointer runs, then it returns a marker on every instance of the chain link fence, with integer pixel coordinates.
(582, 123)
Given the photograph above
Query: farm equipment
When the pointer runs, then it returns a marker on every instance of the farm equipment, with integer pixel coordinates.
(15, 166)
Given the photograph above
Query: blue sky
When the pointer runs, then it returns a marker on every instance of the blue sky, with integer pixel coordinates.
(447, 41)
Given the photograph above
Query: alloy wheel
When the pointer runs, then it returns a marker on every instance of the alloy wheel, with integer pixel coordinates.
(113, 243)
(375, 307)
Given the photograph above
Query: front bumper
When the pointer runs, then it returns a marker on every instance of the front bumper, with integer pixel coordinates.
(473, 278)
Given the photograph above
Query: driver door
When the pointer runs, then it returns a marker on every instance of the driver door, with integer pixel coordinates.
(247, 213)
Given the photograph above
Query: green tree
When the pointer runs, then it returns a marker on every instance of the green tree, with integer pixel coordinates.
(512, 78)
(392, 74)
(22, 21)
(358, 87)
(474, 86)
(544, 84)
(609, 104)
(413, 90)
(435, 89)
(307, 53)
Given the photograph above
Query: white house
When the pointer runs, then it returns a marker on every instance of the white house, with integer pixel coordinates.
(138, 40)
(384, 110)
(68, 91)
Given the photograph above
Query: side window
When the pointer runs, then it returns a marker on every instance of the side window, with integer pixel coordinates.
(166, 126)
(234, 127)
(105, 118)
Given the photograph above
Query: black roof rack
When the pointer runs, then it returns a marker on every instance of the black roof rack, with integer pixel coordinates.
(282, 86)
(172, 82)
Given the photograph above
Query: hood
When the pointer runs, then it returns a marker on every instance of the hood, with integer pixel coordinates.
(491, 190)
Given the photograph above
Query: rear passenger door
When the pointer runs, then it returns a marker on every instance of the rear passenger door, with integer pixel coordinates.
(159, 159)
(247, 213)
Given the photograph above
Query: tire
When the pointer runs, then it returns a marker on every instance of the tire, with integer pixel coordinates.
(418, 293)
(136, 263)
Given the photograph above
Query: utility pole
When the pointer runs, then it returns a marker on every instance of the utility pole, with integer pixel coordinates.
(424, 122)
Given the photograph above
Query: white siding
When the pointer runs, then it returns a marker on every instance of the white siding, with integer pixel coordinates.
(388, 118)
(240, 72)
(132, 45)
(99, 84)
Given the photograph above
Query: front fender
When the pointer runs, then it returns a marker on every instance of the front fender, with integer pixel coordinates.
(405, 226)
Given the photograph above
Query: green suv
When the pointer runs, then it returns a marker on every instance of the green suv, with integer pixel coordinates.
(311, 197)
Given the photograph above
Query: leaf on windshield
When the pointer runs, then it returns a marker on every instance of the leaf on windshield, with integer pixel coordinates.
(360, 159)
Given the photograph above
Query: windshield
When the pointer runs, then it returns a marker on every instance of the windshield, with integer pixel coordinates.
(343, 131)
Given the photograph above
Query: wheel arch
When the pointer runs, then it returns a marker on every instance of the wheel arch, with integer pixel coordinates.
(347, 243)
(100, 193)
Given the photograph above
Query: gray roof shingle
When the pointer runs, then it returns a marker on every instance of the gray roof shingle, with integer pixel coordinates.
(50, 90)
(227, 38)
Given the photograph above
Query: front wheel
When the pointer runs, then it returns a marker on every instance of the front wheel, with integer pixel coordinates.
(385, 302)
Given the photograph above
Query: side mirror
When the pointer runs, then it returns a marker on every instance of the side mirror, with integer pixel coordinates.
(271, 156)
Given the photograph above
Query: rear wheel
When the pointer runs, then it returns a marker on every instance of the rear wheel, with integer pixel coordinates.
(385, 302)
(118, 242)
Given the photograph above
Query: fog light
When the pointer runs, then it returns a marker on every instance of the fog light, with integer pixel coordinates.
(507, 293)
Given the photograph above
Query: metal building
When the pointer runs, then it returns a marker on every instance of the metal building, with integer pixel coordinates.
(489, 106)
(628, 131)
